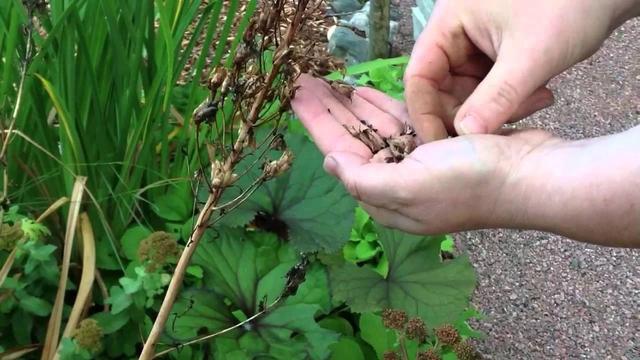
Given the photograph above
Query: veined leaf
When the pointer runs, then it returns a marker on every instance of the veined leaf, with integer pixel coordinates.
(417, 281)
(242, 269)
(316, 209)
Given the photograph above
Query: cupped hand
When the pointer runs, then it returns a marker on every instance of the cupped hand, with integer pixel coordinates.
(480, 64)
(444, 186)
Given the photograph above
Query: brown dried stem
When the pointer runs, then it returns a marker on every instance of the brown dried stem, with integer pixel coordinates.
(226, 169)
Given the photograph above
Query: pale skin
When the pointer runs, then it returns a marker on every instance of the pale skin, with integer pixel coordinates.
(467, 77)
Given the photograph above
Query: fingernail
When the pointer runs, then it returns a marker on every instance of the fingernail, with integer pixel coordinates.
(331, 165)
(471, 125)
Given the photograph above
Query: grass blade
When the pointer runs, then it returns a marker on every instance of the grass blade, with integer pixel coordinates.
(53, 329)
(87, 277)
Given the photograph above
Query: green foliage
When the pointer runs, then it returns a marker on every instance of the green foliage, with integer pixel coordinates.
(418, 280)
(242, 270)
(315, 208)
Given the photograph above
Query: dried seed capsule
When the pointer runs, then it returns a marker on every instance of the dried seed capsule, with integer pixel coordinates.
(447, 335)
(394, 319)
(430, 354)
(416, 330)
(465, 351)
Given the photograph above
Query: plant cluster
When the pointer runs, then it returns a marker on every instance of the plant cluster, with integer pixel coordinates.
(417, 342)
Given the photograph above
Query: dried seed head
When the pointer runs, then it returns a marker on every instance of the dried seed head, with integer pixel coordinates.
(430, 354)
(394, 319)
(88, 335)
(465, 351)
(10, 235)
(219, 74)
(447, 335)
(416, 330)
(222, 177)
(390, 355)
(277, 167)
(157, 250)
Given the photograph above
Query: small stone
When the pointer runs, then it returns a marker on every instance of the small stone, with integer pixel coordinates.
(345, 6)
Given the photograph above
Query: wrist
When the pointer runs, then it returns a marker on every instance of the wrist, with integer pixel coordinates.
(584, 190)
(625, 10)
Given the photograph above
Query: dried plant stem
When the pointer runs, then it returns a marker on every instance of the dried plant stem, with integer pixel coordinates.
(204, 217)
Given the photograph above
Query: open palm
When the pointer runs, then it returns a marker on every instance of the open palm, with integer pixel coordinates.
(443, 186)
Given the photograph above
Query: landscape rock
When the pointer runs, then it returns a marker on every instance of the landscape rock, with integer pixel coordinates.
(345, 6)
(346, 44)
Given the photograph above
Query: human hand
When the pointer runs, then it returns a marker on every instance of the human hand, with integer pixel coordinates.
(480, 64)
(443, 186)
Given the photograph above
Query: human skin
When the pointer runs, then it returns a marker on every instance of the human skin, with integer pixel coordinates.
(586, 190)
(480, 64)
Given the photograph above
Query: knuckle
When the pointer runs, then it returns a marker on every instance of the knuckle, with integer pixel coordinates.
(506, 96)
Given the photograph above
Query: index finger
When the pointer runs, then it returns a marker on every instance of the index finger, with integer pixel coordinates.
(328, 132)
(443, 45)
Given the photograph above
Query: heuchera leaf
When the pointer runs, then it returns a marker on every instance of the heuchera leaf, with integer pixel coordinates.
(316, 209)
(240, 269)
(418, 281)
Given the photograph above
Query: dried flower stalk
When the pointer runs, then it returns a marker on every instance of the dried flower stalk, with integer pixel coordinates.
(275, 26)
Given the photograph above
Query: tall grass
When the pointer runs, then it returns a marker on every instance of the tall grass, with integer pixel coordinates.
(100, 100)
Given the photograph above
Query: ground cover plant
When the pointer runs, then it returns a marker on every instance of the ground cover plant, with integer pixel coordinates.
(159, 199)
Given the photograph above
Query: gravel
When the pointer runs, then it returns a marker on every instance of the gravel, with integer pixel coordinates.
(545, 296)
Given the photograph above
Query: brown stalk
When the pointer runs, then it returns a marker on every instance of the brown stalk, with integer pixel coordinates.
(215, 195)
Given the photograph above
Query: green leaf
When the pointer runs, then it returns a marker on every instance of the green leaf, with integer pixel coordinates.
(110, 323)
(316, 209)
(346, 348)
(118, 299)
(175, 205)
(372, 331)
(131, 239)
(447, 244)
(130, 286)
(241, 269)
(22, 325)
(417, 280)
(35, 305)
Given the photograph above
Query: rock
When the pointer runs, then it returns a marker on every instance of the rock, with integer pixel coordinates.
(345, 6)
(344, 43)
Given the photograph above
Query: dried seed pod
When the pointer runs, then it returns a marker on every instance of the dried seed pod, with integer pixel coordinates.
(10, 235)
(430, 354)
(205, 113)
(218, 77)
(394, 319)
(447, 335)
(369, 136)
(276, 168)
(342, 88)
(416, 330)
(465, 351)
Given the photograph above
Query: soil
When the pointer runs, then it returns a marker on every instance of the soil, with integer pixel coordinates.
(545, 296)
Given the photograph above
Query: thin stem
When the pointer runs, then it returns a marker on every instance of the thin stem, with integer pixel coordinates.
(223, 331)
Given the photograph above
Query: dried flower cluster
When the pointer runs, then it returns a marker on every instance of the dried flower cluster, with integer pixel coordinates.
(312, 38)
(88, 335)
(465, 351)
(10, 235)
(157, 250)
(447, 335)
(394, 319)
(430, 354)
(390, 355)
(416, 330)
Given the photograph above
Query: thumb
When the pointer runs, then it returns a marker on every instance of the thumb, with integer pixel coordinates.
(513, 88)
(366, 181)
